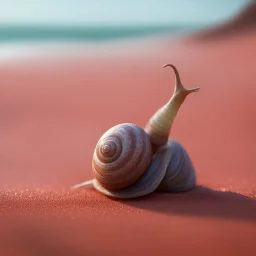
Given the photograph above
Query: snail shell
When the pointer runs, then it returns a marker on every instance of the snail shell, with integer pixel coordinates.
(130, 162)
(170, 170)
(148, 182)
(121, 156)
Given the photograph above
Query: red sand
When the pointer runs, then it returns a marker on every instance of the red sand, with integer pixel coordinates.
(53, 113)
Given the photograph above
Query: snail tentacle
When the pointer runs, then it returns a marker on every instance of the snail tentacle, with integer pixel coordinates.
(178, 84)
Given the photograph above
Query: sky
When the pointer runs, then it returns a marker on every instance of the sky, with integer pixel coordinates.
(116, 12)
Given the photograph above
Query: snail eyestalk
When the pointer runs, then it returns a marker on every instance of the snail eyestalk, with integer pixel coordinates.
(179, 88)
(159, 125)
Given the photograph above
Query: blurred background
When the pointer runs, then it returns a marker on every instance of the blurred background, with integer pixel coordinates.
(35, 21)
(132, 39)
(53, 111)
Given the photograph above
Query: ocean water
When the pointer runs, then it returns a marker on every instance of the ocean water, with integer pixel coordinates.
(18, 41)
(26, 26)
(88, 33)
(30, 26)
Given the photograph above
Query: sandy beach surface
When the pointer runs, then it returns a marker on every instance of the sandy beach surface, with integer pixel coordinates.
(53, 110)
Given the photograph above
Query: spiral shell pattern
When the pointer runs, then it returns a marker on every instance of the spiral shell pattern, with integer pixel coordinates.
(148, 182)
(121, 156)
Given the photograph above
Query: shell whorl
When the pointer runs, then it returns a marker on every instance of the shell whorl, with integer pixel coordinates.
(180, 174)
(148, 182)
(121, 156)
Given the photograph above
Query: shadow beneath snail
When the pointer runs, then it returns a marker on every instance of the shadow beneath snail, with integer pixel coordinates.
(200, 201)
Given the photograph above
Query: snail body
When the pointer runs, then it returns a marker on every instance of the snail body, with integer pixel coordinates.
(130, 162)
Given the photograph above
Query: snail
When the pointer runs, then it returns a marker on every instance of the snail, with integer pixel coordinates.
(130, 162)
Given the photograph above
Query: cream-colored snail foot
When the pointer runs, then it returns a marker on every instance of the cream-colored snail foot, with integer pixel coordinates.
(83, 184)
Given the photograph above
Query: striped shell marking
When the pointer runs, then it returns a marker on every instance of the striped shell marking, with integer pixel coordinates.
(148, 182)
(121, 156)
